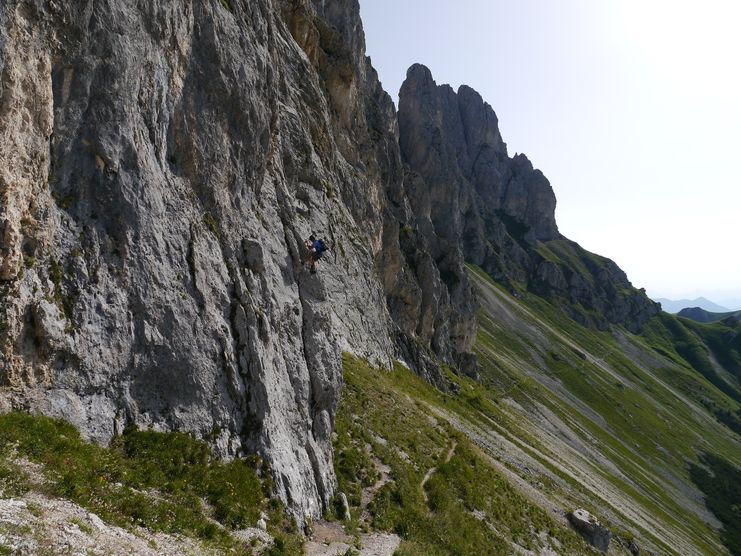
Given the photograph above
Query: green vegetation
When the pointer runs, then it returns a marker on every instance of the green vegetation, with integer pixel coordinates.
(63, 201)
(163, 482)
(684, 338)
(55, 273)
(571, 259)
(84, 527)
(721, 483)
(723, 340)
(209, 220)
(698, 314)
(691, 345)
(13, 479)
(65, 303)
(466, 506)
(353, 465)
(640, 411)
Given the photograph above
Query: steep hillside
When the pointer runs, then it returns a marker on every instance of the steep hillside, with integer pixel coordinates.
(426, 479)
(564, 417)
(609, 412)
(699, 314)
(712, 350)
(148, 493)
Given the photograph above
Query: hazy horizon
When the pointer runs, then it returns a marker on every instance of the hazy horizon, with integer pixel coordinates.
(629, 108)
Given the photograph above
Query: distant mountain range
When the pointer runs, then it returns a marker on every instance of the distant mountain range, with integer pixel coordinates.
(698, 314)
(674, 306)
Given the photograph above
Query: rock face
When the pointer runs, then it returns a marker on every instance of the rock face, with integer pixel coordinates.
(590, 529)
(499, 211)
(162, 163)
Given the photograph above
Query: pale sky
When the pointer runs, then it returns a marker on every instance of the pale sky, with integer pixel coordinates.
(631, 108)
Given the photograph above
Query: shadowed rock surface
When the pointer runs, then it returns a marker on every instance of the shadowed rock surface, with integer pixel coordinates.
(592, 530)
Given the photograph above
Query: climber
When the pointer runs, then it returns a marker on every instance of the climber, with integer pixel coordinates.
(316, 248)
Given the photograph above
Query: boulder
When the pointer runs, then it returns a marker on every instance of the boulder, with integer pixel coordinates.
(590, 529)
(345, 505)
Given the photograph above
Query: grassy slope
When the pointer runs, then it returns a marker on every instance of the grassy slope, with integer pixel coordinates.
(627, 418)
(573, 417)
(162, 482)
(714, 350)
(721, 484)
(471, 507)
(698, 314)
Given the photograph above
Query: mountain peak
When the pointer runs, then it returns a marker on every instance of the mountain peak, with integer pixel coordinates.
(676, 305)
(500, 211)
(420, 72)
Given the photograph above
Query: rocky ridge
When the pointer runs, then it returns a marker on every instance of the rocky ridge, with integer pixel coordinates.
(699, 314)
(161, 165)
(498, 212)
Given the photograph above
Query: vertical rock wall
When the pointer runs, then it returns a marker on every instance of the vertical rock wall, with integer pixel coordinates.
(161, 164)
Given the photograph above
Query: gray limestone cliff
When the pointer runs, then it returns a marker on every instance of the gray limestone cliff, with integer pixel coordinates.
(162, 163)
